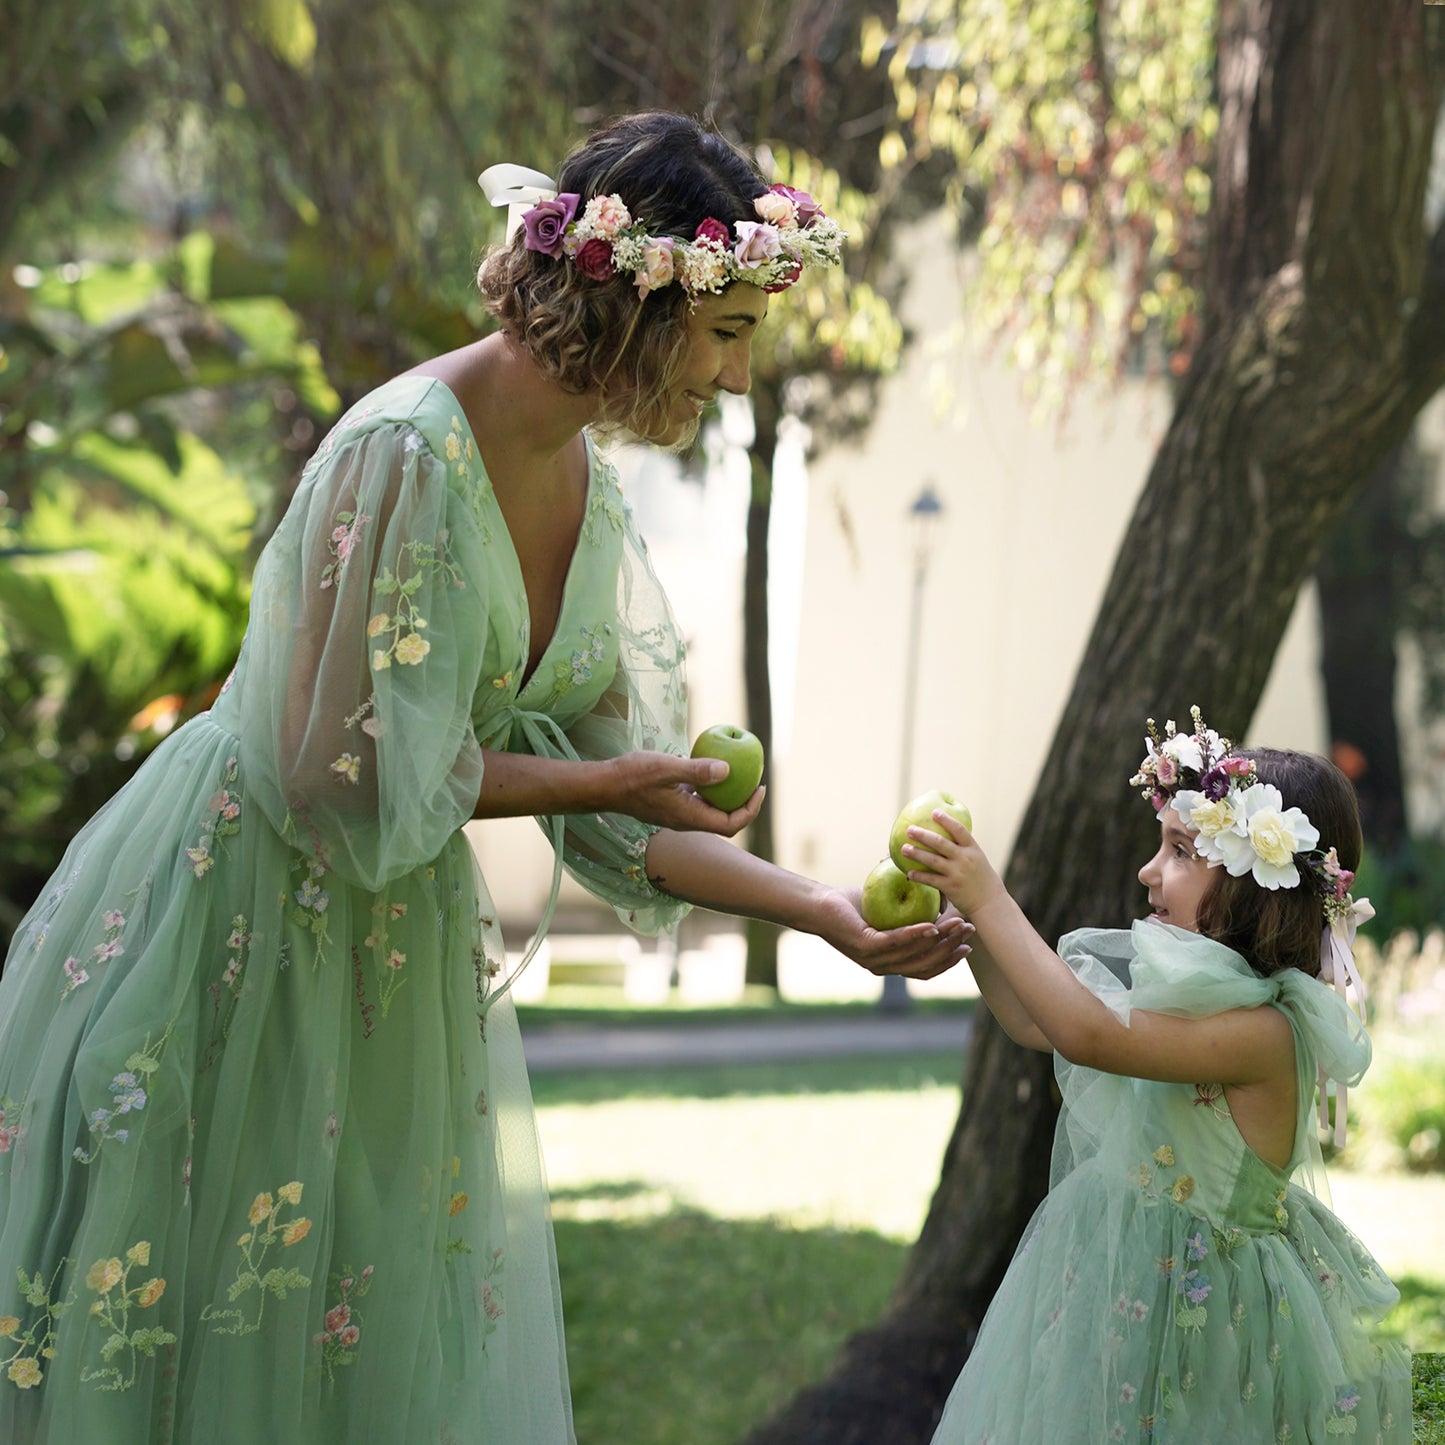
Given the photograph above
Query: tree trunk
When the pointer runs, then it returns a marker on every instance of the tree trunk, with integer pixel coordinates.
(762, 938)
(1359, 614)
(1323, 340)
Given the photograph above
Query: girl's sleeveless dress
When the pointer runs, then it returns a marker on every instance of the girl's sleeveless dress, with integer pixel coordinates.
(268, 1162)
(1173, 1285)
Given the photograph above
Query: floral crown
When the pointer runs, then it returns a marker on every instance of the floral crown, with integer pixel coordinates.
(1241, 822)
(791, 232)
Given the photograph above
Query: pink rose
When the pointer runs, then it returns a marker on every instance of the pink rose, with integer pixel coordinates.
(657, 265)
(547, 221)
(594, 260)
(338, 1317)
(1237, 767)
(757, 242)
(776, 209)
(606, 216)
(808, 209)
(711, 230)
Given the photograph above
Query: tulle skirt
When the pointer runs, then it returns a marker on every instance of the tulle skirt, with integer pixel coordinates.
(268, 1164)
(1123, 1318)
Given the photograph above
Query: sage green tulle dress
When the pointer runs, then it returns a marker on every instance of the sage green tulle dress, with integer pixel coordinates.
(268, 1163)
(1173, 1285)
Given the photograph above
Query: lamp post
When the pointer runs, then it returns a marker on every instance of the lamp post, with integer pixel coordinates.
(923, 518)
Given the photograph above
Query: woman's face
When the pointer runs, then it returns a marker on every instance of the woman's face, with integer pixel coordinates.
(720, 331)
(1176, 876)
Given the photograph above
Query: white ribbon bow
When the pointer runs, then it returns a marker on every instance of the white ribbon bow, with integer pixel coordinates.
(516, 187)
(1337, 966)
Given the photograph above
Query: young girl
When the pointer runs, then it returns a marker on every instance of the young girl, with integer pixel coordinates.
(1175, 1283)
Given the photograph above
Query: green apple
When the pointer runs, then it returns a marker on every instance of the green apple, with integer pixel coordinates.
(891, 899)
(919, 814)
(743, 754)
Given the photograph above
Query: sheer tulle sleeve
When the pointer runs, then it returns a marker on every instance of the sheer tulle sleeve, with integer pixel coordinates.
(366, 642)
(644, 709)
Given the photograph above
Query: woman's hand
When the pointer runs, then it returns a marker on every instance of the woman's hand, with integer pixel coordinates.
(662, 789)
(922, 950)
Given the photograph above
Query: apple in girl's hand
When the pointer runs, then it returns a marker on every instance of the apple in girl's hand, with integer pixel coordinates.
(919, 814)
(891, 899)
(743, 754)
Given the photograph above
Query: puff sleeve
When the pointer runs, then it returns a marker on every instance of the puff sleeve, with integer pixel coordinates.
(367, 637)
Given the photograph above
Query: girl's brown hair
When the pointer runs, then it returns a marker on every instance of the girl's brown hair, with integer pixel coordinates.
(601, 336)
(1280, 928)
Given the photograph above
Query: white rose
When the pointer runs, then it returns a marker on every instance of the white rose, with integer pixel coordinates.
(1185, 751)
(1272, 835)
(1209, 822)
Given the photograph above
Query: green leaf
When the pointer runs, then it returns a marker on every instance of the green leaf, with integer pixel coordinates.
(149, 1340)
(138, 367)
(243, 1282)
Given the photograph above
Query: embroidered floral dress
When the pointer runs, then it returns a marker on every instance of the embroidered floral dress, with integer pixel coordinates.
(1174, 1285)
(268, 1163)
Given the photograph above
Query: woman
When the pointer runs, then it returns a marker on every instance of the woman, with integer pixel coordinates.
(263, 1111)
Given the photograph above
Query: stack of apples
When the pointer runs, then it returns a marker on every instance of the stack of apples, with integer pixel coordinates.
(891, 899)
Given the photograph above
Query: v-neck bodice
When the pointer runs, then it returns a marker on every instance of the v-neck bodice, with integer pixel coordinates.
(579, 660)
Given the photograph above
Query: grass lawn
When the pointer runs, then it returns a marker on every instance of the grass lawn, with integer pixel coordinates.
(720, 1231)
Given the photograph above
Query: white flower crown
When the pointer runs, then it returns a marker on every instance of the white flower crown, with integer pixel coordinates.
(791, 232)
(1241, 823)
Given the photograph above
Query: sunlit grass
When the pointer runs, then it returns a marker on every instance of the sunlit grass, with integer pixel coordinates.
(682, 1327)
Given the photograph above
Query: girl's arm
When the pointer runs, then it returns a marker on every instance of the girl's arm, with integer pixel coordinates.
(1240, 1046)
(711, 872)
(1003, 1003)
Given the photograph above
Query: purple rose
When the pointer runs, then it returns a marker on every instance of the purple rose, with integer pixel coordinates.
(757, 242)
(594, 260)
(546, 222)
(1214, 784)
(808, 209)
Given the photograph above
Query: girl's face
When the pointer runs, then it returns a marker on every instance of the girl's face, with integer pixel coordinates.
(1176, 876)
(720, 331)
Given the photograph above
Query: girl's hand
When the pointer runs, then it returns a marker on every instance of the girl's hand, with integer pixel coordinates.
(662, 789)
(923, 950)
(952, 862)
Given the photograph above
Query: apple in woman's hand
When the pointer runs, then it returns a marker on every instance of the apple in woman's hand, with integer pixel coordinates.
(891, 899)
(743, 754)
(919, 814)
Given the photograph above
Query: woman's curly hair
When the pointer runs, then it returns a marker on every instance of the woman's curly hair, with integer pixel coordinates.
(1280, 928)
(601, 336)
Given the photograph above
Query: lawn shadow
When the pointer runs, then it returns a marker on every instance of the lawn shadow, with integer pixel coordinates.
(682, 1326)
